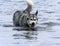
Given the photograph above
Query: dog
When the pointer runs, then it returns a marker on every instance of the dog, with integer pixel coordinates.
(25, 18)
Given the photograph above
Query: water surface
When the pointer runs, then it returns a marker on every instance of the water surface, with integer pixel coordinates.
(48, 27)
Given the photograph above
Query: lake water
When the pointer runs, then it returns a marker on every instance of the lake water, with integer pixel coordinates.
(48, 27)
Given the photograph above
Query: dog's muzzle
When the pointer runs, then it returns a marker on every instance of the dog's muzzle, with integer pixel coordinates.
(33, 24)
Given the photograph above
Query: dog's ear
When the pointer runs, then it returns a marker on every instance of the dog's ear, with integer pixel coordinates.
(36, 12)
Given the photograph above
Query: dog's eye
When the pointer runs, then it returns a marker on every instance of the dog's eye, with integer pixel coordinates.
(27, 18)
(31, 19)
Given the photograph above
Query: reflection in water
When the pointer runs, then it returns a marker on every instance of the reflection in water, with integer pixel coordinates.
(31, 35)
(25, 35)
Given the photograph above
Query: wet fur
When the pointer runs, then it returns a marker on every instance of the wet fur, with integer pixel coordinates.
(20, 17)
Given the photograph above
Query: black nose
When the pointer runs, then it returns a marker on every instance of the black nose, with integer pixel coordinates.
(33, 24)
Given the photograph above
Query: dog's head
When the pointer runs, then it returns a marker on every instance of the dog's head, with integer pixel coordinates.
(32, 20)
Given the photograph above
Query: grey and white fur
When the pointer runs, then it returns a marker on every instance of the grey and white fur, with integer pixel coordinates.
(25, 18)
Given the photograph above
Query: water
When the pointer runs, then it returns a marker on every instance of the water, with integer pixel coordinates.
(48, 27)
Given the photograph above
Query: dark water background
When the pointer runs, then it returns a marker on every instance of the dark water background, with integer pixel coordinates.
(47, 33)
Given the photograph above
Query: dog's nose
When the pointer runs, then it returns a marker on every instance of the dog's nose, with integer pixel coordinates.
(33, 24)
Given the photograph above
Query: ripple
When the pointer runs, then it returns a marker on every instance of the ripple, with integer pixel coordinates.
(8, 26)
(50, 23)
(25, 35)
(20, 29)
(58, 2)
(24, 29)
(58, 19)
(56, 37)
(50, 12)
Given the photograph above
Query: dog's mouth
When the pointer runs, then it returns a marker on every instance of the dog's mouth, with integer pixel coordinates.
(32, 26)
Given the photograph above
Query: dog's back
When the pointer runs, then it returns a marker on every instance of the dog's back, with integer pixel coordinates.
(20, 18)
(16, 16)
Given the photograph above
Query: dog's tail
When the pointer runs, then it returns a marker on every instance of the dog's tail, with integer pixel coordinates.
(30, 5)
